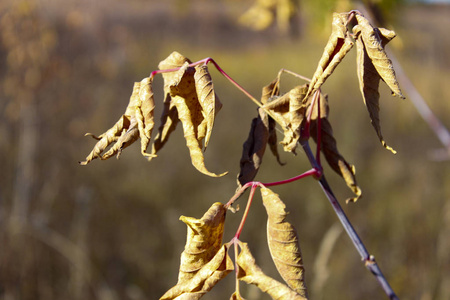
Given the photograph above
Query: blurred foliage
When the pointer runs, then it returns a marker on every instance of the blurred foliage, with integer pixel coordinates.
(111, 231)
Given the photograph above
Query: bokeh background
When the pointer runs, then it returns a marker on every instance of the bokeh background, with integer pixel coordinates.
(110, 230)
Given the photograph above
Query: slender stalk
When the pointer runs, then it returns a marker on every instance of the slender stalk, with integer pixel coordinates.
(368, 259)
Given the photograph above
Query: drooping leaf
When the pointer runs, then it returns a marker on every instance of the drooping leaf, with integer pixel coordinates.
(184, 97)
(136, 122)
(374, 47)
(369, 80)
(254, 148)
(204, 237)
(329, 148)
(288, 111)
(338, 45)
(270, 90)
(205, 279)
(283, 242)
(251, 273)
(209, 101)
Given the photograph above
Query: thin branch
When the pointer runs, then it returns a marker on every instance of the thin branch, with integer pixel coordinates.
(368, 259)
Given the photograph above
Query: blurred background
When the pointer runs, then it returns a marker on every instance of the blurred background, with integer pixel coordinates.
(110, 230)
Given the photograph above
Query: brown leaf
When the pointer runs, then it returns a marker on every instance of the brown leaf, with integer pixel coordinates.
(330, 151)
(369, 80)
(283, 242)
(289, 111)
(374, 47)
(254, 148)
(136, 122)
(338, 45)
(204, 237)
(205, 279)
(209, 101)
(250, 273)
(190, 112)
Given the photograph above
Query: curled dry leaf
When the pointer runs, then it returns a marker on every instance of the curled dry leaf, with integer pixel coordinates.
(329, 147)
(136, 122)
(205, 279)
(189, 98)
(204, 237)
(254, 148)
(338, 45)
(374, 40)
(289, 111)
(251, 273)
(283, 243)
(369, 80)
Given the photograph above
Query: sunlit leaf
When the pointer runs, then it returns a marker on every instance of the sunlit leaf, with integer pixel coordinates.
(209, 102)
(289, 111)
(136, 122)
(374, 47)
(338, 45)
(190, 112)
(251, 273)
(204, 237)
(329, 148)
(204, 280)
(283, 242)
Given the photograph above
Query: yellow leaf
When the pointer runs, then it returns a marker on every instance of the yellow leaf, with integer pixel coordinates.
(374, 47)
(329, 148)
(338, 45)
(250, 273)
(205, 279)
(283, 242)
(204, 237)
(190, 112)
(288, 111)
(136, 122)
(208, 99)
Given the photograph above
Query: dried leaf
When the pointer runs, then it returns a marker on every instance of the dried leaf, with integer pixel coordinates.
(254, 148)
(283, 242)
(209, 101)
(330, 151)
(204, 237)
(374, 47)
(369, 80)
(289, 111)
(250, 273)
(190, 113)
(338, 45)
(136, 122)
(205, 279)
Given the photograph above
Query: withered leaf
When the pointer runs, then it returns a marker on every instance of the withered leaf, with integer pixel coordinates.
(289, 111)
(136, 122)
(338, 45)
(369, 80)
(190, 112)
(374, 47)
(204, 237)
(209, 101)
(205, 279)
(283, 242)
(251, 273)
(254, 148)
(329, 148)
